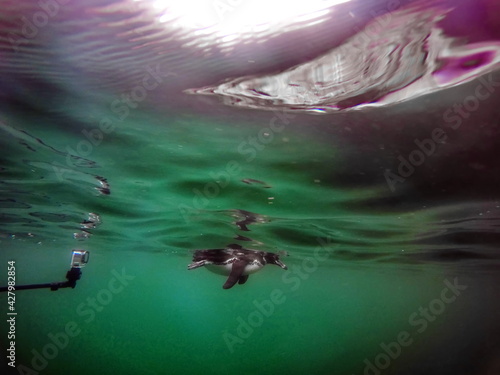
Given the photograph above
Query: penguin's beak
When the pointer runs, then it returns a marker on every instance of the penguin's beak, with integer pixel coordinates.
(279, 263)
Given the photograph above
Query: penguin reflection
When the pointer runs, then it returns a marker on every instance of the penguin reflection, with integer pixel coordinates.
(245, 218)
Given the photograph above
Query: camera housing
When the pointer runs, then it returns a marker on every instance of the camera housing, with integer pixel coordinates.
(79, 258)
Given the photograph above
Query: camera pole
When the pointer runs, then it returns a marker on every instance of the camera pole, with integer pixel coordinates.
(72, 276)
(78, 260)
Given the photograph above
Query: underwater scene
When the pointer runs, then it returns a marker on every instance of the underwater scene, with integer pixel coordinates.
(250, 187)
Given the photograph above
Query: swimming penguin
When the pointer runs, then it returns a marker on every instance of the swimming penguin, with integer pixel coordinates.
(234, 261)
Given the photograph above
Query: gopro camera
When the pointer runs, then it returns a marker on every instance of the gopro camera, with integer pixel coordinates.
(80, 258)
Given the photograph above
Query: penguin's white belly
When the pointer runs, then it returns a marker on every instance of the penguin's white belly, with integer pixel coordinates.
(225, 269)
(252, 268)
(221, 269)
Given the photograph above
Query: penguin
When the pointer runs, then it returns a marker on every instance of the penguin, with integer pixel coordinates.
(235, 262)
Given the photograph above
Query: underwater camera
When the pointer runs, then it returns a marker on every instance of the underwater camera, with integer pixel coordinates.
(79, 259)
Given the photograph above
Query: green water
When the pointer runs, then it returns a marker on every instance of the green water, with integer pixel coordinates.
(357, 271)
(166, 321)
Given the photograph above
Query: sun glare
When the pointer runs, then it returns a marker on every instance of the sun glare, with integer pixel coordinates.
(229, 17)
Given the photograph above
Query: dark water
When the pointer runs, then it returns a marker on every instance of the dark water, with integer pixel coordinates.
(361, 149)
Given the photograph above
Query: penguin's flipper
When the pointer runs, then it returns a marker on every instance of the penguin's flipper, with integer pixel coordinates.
(243, 279)
(236, 273)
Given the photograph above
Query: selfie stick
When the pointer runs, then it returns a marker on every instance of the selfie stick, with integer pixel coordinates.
(78, 260)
